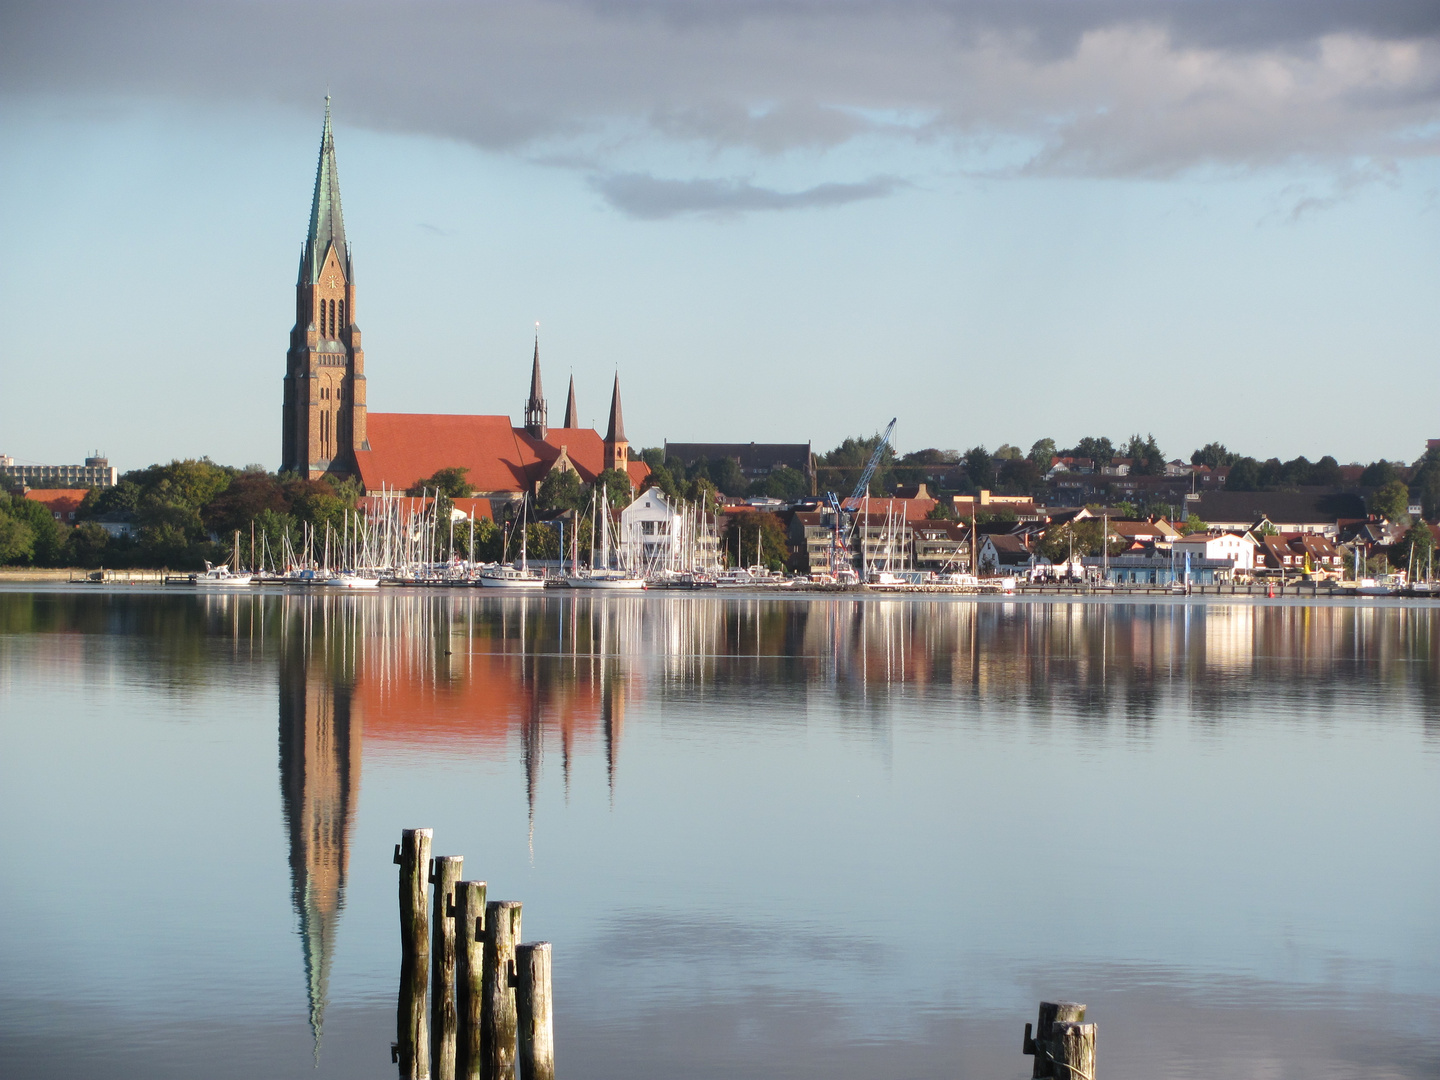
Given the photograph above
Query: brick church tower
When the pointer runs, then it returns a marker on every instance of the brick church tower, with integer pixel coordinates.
(325, 368)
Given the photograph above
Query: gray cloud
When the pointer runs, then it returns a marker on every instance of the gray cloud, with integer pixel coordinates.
(643, 196)
(1089, 87)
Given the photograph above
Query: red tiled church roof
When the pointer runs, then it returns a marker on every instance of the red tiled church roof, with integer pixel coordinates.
(407, 447)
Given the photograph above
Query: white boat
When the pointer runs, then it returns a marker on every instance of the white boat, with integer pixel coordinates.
(221, 577)
(514, 577)
(604, 579)
(353, 581)
(510, 577)
(601, 575)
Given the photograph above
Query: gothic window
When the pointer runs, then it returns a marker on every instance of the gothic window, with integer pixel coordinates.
(342, 314)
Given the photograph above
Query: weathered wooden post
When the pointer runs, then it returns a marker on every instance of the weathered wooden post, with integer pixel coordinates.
(412, 855)
(1073, 1051)
(412, 1041)
(1051, 1013)
(497, 1006)
(469, 915)
(446, 873)
(533, 1011)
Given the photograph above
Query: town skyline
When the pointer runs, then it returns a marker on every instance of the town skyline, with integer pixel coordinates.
(772, 297)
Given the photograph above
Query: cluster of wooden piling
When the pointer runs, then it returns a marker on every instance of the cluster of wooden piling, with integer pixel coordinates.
(1062, 1044)
(489, 1011)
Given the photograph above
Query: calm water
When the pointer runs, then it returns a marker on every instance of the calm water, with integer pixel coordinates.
(787, 838)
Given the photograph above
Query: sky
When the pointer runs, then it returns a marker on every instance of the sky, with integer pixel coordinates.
(997, 220)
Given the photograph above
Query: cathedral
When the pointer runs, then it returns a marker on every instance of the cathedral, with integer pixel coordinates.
(328, 430)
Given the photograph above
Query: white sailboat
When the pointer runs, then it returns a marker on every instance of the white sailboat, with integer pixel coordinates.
(514, 577)
(601, 574)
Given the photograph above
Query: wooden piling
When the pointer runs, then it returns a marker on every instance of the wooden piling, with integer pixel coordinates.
(1051, 1013)
(412, 1043)
(446, 872)
(1073, 1051)
(533, 1012)
(412, 855)
(469, 920)
(497, 1006)
(412, 1036)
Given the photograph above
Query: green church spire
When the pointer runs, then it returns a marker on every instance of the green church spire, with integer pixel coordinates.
(327, 223)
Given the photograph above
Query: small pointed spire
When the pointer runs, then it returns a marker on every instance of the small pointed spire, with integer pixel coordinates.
(616, 431)
(572, 414)
(535, 411)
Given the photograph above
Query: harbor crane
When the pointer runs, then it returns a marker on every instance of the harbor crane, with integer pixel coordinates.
(840, 538)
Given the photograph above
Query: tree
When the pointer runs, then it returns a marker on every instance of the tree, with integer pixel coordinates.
(1193, 524)
(979, 467)
(1414, 550)
(1146, 458)
(47, 536)
(728, 477)
(1391, 502)
(784, 483)
(1020, 475)
(17, 540)
(1081, 537)
(1326, 472)
(944, 510)
(1379, 473)
(844, 466)
(740, 540)
(1098, 449)
(1244, 475)
(1042, 452)
(615, 485)
(449, 482)
(86, 545)
(561, 490)
(1008, 453)
(542, 540)
(1425, 484)
(1213, 455)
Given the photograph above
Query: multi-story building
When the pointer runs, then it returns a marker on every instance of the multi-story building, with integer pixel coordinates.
(96, 472)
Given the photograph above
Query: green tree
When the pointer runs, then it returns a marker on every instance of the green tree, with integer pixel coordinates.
(561, 490)
(943, 510)
(1146, 457)
(979, 467)
(1042, 452)
(784, 483)
(47, 536)
(449, 482)
(17, 539)
(542, 540)
(842, 467)
(1417, 541)
(86, 545)
(728, 477)
(1326, 472)
(1244, 475)
(703, 493)
(1379, 473)
(740, 540)
(1056, 544)
(1193, 524)
(1391, 502)
(616, 487)
(1006, 452)
(1098, 449)
(1213, 455)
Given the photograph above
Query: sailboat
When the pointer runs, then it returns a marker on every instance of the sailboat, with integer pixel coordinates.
(514, 577)
(601, 575)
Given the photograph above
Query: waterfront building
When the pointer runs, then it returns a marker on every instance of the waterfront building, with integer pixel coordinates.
(328, 429)
(63, 503)
(1313, 510)
(96, 472)
(1236, 547)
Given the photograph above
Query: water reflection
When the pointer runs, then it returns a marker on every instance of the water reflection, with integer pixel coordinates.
(320, 743)
(547, 681)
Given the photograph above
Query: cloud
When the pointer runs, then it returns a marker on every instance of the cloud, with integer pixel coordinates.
(641, 195)
(1088, 87)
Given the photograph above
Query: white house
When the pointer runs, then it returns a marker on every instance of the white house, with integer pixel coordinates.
(656, 535)
(1236, 547)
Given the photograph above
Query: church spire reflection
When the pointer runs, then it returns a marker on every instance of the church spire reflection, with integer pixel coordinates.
(320, 736)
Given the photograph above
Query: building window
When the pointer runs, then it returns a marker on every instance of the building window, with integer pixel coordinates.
(342, 314)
